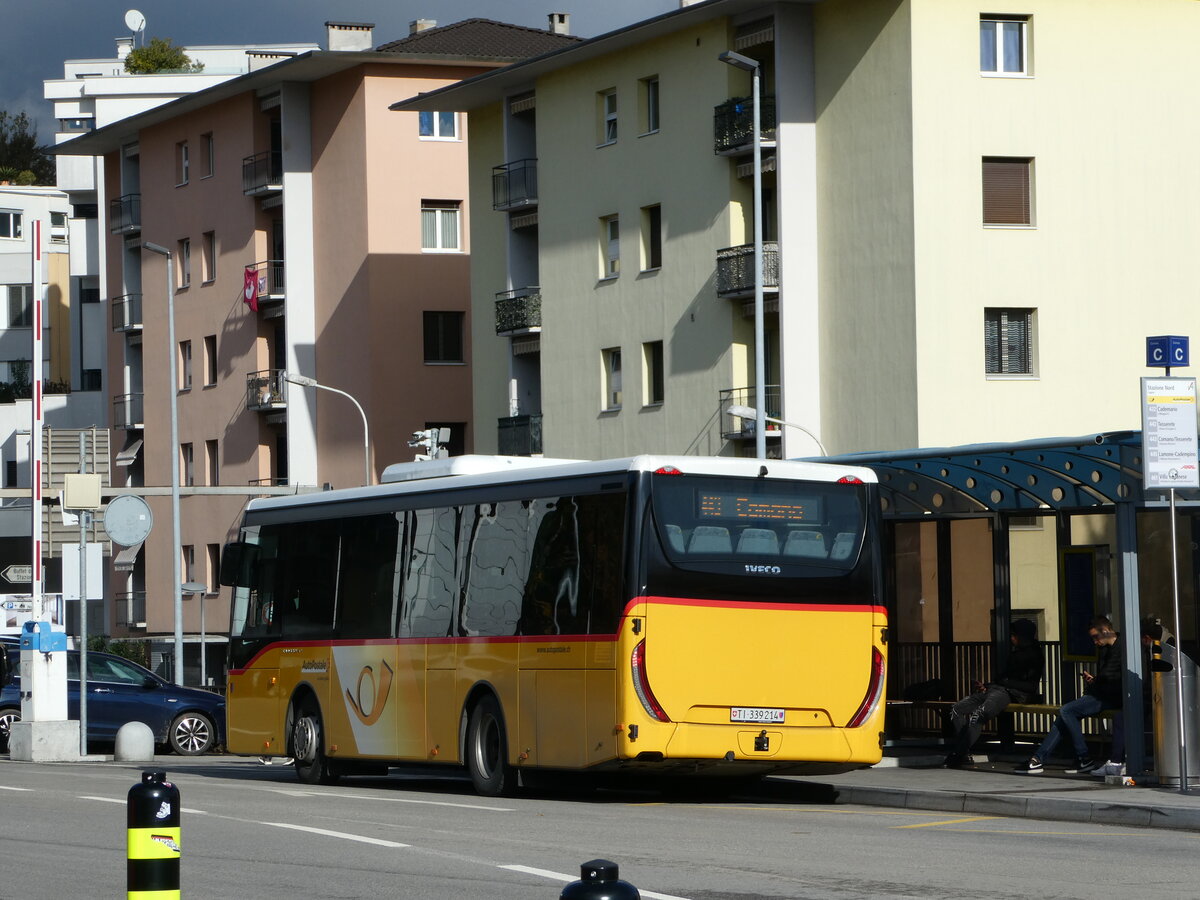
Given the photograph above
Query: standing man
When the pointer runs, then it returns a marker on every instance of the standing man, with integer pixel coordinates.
(1102, 690)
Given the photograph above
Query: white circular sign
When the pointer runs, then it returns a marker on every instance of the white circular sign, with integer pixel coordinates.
(128, 520)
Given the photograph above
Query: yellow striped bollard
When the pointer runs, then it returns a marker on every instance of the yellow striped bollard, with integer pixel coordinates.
(152, 867)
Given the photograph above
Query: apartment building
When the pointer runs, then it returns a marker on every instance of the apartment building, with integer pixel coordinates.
(970, 224)
(310, 233)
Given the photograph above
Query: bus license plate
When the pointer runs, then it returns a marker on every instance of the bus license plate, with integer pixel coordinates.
(755, 714)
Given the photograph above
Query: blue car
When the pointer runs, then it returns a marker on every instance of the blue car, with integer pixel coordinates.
(187, 720)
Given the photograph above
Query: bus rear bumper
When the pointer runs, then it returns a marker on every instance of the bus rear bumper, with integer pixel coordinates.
(772, 744)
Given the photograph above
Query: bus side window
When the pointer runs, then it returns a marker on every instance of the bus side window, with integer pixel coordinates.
(307, 578)
(427, 591)
(367, 572)
(496, 567)
(551, 598)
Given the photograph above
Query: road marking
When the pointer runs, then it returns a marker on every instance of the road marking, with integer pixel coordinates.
(947, 822)
(559, 876)
(336, 834)
(182, 809)
(4, 787)
(103, 799)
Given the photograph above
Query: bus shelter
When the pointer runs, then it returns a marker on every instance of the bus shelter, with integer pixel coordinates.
(1055, 530)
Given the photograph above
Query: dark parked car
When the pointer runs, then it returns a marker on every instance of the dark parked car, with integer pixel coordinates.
(187, 720)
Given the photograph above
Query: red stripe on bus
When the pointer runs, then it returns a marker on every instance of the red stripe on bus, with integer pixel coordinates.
(756, 604)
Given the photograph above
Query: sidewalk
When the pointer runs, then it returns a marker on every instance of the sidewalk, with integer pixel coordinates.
(992, 788)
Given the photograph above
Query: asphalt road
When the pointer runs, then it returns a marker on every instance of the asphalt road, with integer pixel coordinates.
(253, 831)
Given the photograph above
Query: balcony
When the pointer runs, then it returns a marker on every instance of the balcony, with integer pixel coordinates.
(267, 482)
(266, 390)
(130, 609)
(519, 311)
(262, 173)
(125, 214)
(733, 126)
(735, 270)
(514, 185)
(520, 435)
(127, 411)
(271, 287)
(734, 428)
(127, 312)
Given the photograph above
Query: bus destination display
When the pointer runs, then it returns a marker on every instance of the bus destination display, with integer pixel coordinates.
(761, 507)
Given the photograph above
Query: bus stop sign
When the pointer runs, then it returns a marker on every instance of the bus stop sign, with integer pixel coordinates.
(1166, 351)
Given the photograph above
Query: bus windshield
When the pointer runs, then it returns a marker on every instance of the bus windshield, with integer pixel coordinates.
(702, 519)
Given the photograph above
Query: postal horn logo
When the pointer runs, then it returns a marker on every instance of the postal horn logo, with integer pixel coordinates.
(370, 695)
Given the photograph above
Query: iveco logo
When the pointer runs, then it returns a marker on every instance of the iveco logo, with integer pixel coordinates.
(764, 570)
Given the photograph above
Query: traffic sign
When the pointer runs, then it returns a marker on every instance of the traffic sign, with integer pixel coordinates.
(18, 574)
(1166, 351)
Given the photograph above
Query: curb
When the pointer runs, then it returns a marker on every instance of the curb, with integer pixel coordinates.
(1023, 807)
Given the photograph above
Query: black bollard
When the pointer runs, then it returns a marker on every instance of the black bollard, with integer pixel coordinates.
(152, 851)
(599, 879)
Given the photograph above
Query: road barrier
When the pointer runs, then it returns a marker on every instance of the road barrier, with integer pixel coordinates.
(152, 850)
(599, 879)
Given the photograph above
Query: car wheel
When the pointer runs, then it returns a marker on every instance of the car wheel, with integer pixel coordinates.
(487, 750)
(308, 745)
(191, 734)
(8, 715)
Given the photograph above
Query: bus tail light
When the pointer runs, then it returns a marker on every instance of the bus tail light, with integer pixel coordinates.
(641, 684)
(874, 691)
(849, 479)
(667, 470)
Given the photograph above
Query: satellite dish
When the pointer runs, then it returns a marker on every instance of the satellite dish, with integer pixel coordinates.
(135, 21)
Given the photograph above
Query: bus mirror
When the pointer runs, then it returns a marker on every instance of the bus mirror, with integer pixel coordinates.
(234, 560)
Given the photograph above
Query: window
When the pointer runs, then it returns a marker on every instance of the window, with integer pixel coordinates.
(611, 360)
(1003, 45)
(185, 365)
(210, 360)
(207, 160)
(606, 117)
(76, 124)
(184, 261)
(10, 223)
(20, 305)
(610, 247)
(187, 468)
(1006, 191)
(212, 567)
(209, 256)
(651, 237)
(181, 163)
(188, 559)
(652, 373)
(439, 225)
(58, 227)
(443, 337)
(438, 125)
(211, 466)
(648, 104)
(1008, 341)
(90, 380)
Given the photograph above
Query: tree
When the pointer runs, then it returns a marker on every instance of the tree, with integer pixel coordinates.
(22, 161)
(160, 55)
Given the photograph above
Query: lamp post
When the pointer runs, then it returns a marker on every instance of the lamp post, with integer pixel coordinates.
(752, 66)
(173, 388)
(195, 588)
(305, 381)
(746, 412)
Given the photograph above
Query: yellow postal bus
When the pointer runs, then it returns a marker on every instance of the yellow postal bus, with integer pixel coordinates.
(675, 614)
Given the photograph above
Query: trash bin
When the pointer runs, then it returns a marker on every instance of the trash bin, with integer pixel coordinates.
(1165, 684)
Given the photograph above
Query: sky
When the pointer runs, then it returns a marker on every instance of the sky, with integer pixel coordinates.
(39, 34)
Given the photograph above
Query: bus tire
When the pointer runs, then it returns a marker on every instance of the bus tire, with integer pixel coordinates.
(308, 745)
(487, 750)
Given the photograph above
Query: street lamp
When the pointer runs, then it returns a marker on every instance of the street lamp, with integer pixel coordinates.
(746, 412)
(173, 387)
(193, 588)
(752, 66)
(305, 381)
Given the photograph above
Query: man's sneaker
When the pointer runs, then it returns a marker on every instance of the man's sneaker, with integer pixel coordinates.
(1110, 768)
(1032, 767)
(1084, 765)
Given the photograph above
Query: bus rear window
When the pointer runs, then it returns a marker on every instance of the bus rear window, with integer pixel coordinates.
(770, 522)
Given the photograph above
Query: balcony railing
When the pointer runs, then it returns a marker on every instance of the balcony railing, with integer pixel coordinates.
(274, 270)
(266, 390)
(520, 435)
(736, 428)
(127, 312)
(267, 482)
(735, 269)
(125, 214)
(127, 411)
(519, 311)
(130, 609)
(262, 173)
(514, 185)
(733, 124)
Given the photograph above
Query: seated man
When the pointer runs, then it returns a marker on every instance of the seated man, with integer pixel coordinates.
(1102, 690)
(1018, 683)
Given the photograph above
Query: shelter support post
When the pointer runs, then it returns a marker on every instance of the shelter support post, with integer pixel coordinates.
(1131, 646)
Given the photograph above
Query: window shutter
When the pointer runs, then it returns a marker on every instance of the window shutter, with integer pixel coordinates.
(1005, 191)
(1008, 341)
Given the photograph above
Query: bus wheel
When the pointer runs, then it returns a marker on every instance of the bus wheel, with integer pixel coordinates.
(487, 750)
(308, 745)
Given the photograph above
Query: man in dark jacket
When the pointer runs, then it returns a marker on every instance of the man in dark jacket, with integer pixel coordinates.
(1019, 683)
(1102, 691)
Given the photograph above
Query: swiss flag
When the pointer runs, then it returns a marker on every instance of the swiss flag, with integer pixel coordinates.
(251, 287)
